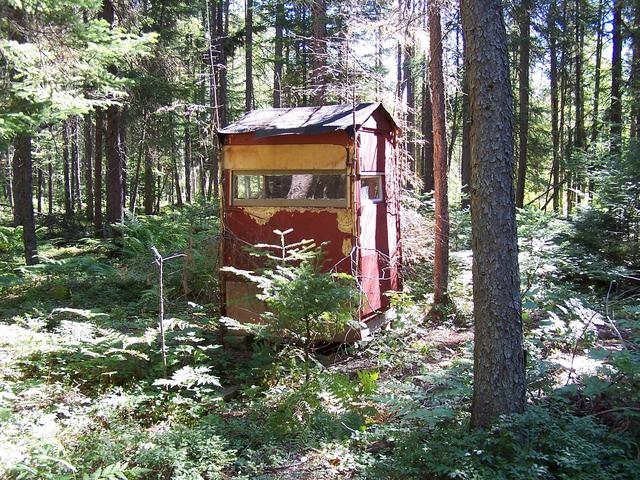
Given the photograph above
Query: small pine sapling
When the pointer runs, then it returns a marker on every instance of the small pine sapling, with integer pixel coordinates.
(303, 302)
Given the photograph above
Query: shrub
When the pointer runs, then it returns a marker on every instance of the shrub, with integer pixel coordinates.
(534, 445)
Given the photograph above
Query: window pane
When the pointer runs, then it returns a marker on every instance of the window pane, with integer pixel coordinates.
(371, 188)
(303, 186)
(249, 186)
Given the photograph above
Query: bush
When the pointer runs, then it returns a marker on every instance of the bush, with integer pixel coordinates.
(537, 444)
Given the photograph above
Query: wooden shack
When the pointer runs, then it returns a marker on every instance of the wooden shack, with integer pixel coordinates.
(329, 173)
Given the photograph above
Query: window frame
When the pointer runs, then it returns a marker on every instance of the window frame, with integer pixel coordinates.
(381, 187)
(288, 202)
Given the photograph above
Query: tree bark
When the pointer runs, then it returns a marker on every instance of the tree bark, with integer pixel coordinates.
(214, 119)
(115, 207)
(634, 81)
(248, 49)
(409, 84)
(187, 159)
(596, 84)
(113, 146)
(97, 217)
(441, 249)
(222, 30)
(427, 132)
(75, 164)
(50, 188)
(319, 50)
(23, 195)
(124, 153)
(148, 180)
(553, 78)
(136, 178)
(499, 373)
(524, 48)
(88, 164)
(455, 101)
(175, 171)
(580, 140)
(66, 169)
(278, 58)
(39, 188)
(465, 162)
(9, 182)
(616, 81)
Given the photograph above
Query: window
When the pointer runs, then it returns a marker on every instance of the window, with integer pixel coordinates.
(371, 188)
(300, 188)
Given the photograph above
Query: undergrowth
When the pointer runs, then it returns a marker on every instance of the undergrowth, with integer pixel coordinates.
(83, 395)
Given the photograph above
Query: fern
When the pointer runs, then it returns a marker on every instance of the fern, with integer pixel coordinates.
(188, 377)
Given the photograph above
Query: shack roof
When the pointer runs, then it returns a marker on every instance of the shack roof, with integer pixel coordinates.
(267, 122)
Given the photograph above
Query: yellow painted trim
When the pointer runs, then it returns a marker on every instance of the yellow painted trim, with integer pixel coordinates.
(285, 157)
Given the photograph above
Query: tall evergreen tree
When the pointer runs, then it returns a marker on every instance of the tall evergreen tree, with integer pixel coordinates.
(441, 248)
(499, 385)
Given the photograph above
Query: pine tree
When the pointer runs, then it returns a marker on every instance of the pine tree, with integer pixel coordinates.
(498, 374)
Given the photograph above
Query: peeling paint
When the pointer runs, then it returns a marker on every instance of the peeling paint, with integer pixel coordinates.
(347, 246)
(344, 218)
(262, 215)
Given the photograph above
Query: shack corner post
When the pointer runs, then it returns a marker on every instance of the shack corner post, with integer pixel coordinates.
(331, 174)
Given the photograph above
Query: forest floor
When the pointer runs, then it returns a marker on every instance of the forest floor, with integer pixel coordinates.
(82, 395)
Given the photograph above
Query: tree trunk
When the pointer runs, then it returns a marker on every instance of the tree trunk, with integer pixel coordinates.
(97, 217)
(580, 140)
(75, 163)
(148, 180)
(187, 160)
(136, 179)
(441, 249)
(124, 153)
(66, 169)
(278, 59)
(248, 49)
(455, 101)
(553, 76)
(222, 30)
(88, 165)
(23, 196)
(50, 188)
(162, 180)
(616, 80)
(175, 172)
(465, 162)
(113, 146)
(427, 131)
(9, 182)
(39, 189)
(319, 50)
(524, 24)
(596, 84)
(409, 84)
(214, 121)
(203, 176)
(115, 207)
(565, 141)
(499, 373)
(634, 81)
